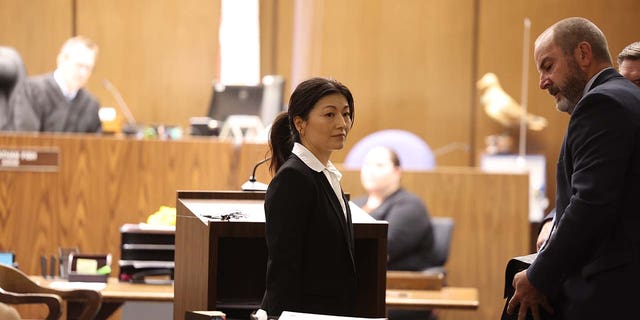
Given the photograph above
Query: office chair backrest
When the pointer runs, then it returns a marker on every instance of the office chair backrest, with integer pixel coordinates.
(12, 86)
(11, 68)
(17, 288)
(442, 235)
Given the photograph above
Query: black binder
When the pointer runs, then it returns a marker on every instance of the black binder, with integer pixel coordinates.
(514, 266)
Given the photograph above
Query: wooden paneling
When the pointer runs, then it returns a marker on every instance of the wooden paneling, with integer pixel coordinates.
(162, 55)
(36, 29)
(500, 51)
(102, 183)
(105, 182)
(491, 226)
(247, 157)
(410, 64)
(407, 63)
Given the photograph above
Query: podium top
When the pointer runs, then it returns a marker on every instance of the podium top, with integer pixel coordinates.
(226, 209)
(221, 195)
(242, 206)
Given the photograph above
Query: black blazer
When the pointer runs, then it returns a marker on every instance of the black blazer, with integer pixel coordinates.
(51, 112)
(311, 264)
(595, 250)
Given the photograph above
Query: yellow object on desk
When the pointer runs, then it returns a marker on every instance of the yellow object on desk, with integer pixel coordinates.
(165, 216)
(86, 266)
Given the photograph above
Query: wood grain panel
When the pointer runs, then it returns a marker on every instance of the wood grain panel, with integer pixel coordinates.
(500, 51)
(162, 55)
(284, 44)
(102, 183)
(491, 225)
(406, 62)
(247, 157)
(36, 29)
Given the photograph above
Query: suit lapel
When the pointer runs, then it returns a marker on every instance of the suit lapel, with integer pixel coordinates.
(345, 223)
(328, 192)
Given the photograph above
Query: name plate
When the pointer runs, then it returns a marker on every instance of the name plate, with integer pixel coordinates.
(40, 159)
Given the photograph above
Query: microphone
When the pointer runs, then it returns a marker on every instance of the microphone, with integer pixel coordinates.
(252, 184)
(131, 127)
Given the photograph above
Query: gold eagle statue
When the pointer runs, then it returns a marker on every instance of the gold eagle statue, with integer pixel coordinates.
(500, 106)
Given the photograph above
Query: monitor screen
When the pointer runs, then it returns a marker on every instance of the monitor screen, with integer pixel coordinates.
(229, 100)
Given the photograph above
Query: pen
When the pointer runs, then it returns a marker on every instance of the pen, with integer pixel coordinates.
(43, 266)
(52, 267)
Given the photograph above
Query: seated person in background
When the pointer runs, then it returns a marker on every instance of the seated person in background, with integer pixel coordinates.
(59, 103)
(629, 62)
(410, 235)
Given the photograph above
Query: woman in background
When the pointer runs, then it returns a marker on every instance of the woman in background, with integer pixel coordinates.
(309, 232)
(410, 235)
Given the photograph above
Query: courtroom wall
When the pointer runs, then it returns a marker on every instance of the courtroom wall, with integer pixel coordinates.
(411, 64)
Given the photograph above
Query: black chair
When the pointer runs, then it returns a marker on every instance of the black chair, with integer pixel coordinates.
(12, 85)
(442, 235)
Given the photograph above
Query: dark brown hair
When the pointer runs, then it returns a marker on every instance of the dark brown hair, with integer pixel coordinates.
(303, 99)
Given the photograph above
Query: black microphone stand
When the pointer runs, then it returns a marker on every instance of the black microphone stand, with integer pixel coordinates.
(252, 184)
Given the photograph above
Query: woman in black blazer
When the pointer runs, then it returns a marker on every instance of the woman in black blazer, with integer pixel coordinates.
(309, 232)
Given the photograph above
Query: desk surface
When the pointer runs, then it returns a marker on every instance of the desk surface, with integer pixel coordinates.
(117, 291)
(446, 298)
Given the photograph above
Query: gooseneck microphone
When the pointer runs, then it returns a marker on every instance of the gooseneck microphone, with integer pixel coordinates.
(131, 122)
(252, 184)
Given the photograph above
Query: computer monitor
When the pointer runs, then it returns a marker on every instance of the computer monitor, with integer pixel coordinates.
(264, 100)
(229, 100)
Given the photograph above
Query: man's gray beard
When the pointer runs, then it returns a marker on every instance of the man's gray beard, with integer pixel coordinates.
(573, 89)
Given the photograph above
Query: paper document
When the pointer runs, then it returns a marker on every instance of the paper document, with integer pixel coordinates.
(64, 285)
(359, 215)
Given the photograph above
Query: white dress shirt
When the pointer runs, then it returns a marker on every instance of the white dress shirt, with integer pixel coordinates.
(330, 171)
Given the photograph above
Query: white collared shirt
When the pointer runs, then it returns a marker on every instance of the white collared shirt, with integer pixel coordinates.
(63, 86)
(330, 171)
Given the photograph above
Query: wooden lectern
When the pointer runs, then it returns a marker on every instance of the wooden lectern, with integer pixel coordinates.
(221, 255)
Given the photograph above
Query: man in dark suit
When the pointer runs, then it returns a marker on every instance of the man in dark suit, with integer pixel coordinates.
(629, 67)
(59, 102)
(594, 250)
